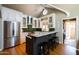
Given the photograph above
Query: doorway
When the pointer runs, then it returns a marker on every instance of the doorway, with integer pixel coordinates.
(69, 32)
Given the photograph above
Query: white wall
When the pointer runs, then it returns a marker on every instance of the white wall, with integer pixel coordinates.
(59, 25)
(11, 15)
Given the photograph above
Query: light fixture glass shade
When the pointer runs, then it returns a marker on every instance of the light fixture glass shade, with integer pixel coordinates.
(45, 12)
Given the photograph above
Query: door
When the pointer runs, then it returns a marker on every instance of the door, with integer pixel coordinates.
(17, 33)
(11, 34)
(70, 29)
(70, 32)
(7, 33)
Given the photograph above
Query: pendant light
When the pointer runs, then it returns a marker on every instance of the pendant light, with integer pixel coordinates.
(45, 11)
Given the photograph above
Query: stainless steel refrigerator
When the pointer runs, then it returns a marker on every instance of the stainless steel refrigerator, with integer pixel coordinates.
(11, 34)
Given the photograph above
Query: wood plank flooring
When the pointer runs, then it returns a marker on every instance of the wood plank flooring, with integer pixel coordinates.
(59, 50)
(18, 50)
(63, 50)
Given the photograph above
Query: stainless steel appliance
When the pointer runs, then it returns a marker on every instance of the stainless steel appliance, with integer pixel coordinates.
(11, 34)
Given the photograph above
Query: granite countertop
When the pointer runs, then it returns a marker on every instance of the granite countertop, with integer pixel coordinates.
(38, 34)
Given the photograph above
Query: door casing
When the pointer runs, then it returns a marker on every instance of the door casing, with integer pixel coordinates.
(76, 26)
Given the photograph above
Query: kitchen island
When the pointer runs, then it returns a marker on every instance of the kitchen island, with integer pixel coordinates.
(34, 40)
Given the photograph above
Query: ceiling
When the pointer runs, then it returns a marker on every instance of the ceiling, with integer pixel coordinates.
(31, 9)
(73, 9)
(67, 7)
(36, 9)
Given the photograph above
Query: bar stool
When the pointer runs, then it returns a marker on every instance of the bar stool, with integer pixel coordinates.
(53, 42)
(43, 48)
(56, 41)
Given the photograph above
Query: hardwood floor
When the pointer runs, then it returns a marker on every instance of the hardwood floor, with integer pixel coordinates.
(63, 50)
(71, 42)
(18, 50)
(59, 50)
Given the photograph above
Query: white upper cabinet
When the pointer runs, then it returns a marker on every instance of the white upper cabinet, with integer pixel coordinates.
(39, 23)
(51, 20)
(47, 22)
(24, 21)
(35, 23)
(29, 20)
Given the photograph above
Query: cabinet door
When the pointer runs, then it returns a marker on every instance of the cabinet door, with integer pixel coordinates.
(24, 22)
(45, 24)
(35, 24)
(52, 21)
(38, 23)
(31, 21)
(27, 20)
